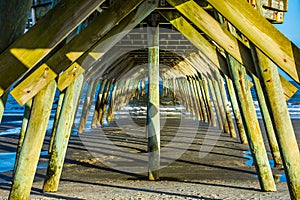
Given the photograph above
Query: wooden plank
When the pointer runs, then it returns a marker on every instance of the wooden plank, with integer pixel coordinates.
(37, 43)
(111, 38)
(62, 135)
(32, 144)
(74, 49)
(224, 38)
(263, 34)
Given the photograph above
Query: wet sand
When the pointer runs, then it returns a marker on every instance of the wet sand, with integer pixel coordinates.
(95, 170)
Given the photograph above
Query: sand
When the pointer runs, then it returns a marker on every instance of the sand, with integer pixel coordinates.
(95, 170)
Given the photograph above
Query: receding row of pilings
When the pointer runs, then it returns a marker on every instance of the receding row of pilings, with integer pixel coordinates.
(199, 86)
(206, 95)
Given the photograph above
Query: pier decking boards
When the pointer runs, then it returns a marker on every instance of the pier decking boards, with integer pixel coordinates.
(205, 55)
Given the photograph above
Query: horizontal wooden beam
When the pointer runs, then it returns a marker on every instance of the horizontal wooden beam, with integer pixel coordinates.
(111, 38)
(70, 52)
(262, 33)
(37, 43)
(217, 33)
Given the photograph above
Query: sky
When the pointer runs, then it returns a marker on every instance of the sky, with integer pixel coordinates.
(291, 25)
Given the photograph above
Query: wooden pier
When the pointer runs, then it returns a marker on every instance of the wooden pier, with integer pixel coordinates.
(100, 56)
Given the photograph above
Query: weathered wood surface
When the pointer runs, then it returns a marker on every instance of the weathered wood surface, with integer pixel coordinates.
(282, 124)
(13, 17)
(62, 135)
(73, 50)
(236, 110)
(26, 117)
(251, 125)
(32, 144)
(267, 122)
(262, 33)
(98, 103)
(226, 104)
(153, 118)
(37, 43)
(109, 40)
(219, 34)
(55, 121)
(90, 94)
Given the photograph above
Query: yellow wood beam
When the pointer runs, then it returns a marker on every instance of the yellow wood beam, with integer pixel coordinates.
(36, 44)
(73, 50)
(220, 35)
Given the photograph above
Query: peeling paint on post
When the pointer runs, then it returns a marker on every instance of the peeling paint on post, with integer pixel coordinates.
(32, 143)
(153, 118)
(62, 135)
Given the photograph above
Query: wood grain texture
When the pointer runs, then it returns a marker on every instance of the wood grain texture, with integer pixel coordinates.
(33, 46)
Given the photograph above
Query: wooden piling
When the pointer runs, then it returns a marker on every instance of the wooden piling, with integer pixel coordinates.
(26, 116)
(267, 122)
(236, 111)
(3, 100)
(87, 104)
(62, 135)
(226, 105)
(269, 76)
(194, 98)
(153, 118)
(214, 99)
(216, 88)
(104, 102)
(211, 115)
(98, 102)
(255, 140)
(55, 121)
(32, 143)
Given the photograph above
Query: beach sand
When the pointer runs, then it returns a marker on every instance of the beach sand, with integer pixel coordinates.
(218, 172)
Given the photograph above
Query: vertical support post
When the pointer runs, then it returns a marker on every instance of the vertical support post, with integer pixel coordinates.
(32, 143)
(226, 105)
(25, 121)
(203, 82)
(236, 111)
(153, 118)
(104, 102)
(225, 127)
(3, 100)
(57, 113)
(62, 135)
(267, 122)
(269, 76)
(200, 100)
(87, 104)
(194, 98)
(98, 102)
(256, 143)
(112, 106)
(213, 95)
